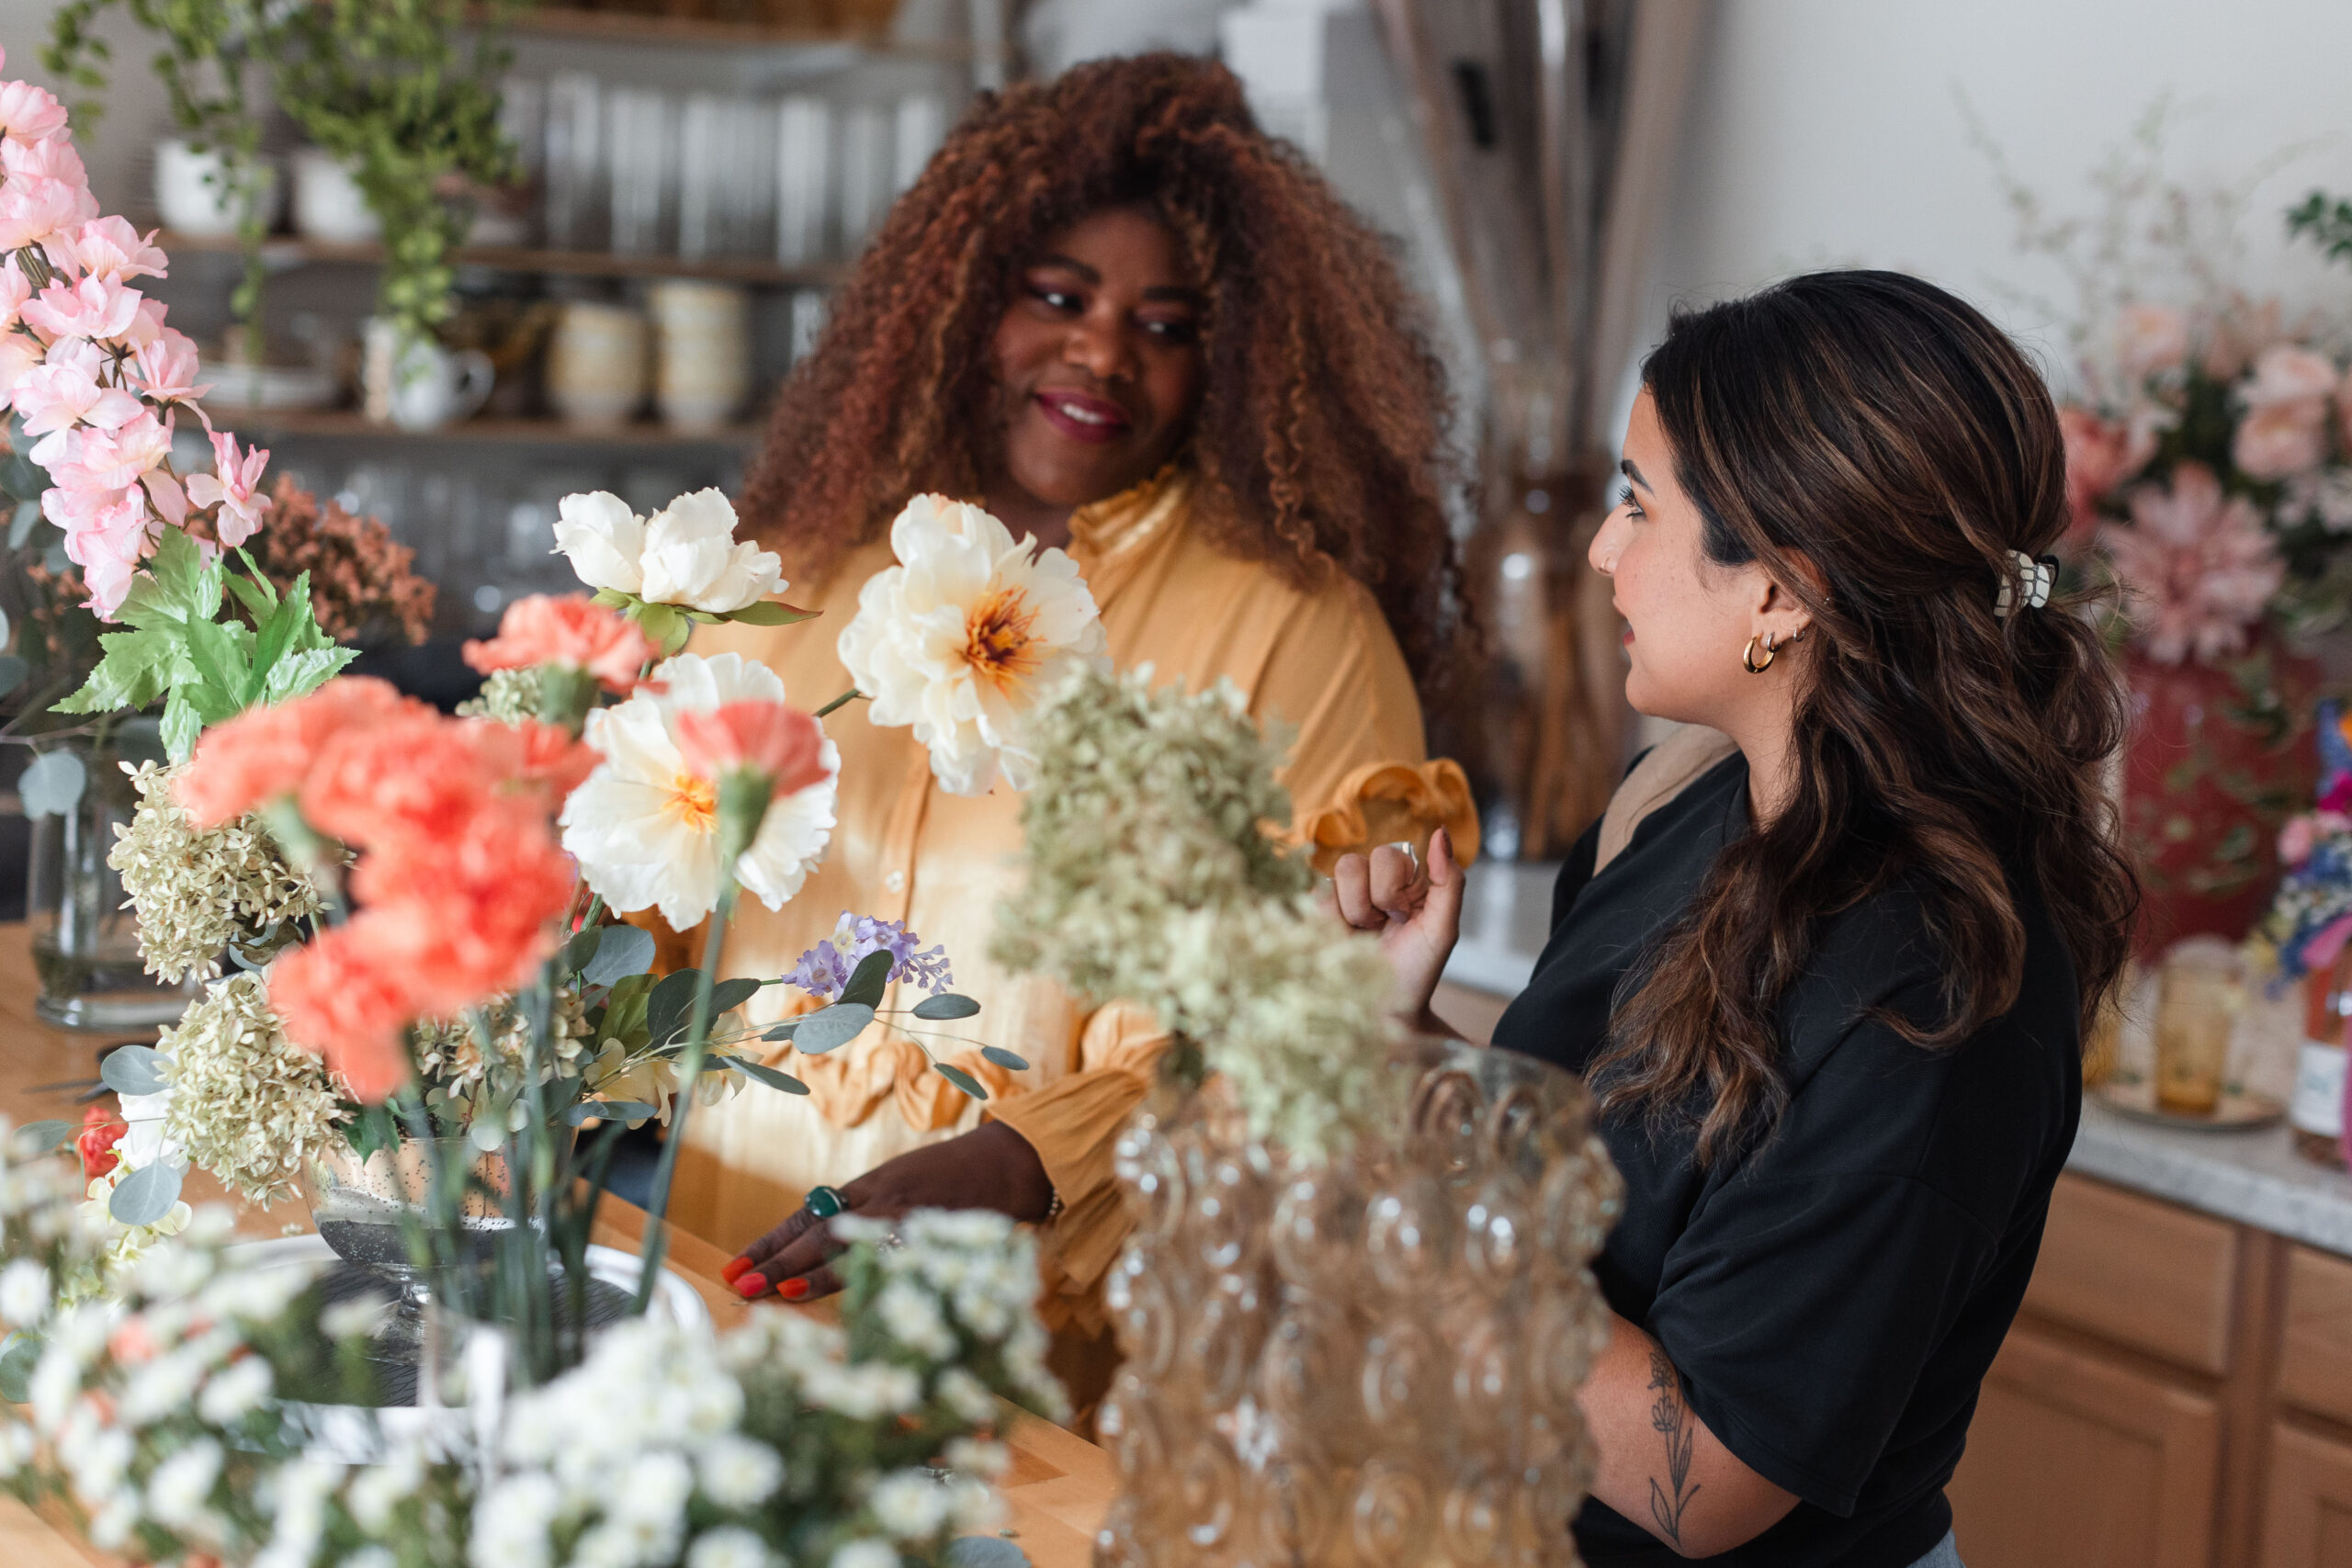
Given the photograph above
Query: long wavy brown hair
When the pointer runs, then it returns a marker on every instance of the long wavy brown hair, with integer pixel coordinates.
(1894, 438)
(1320, 440)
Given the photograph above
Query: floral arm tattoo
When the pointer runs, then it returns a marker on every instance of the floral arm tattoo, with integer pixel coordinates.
(1671, 1419)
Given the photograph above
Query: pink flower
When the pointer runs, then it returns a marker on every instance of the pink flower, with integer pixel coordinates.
(2278, 441)
(29, 113)
(106, 536)
(232, 488)
(106, 459)
(407, 776)
(31, 209)
(14, 291)
(52, 158)
(2239, 333)
(2100, 455)
(778, 742)
(2295, 840)
(2198, 567)
(94, 308)
(108, 248)
(2285, 373)
(472, 912)
(545, 629)
(65, 391)
(146, 326)
(2149, 341)
(542, 756)
(339, 997)
(165, 368)
(170, 501)
(267, 752)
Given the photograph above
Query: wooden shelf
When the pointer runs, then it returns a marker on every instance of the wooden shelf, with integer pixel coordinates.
(349, 425)
(293, 250)
(643, 31)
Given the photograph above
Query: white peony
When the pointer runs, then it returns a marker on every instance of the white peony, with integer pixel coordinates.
(960, 638)
(645, 830)
(686, 554)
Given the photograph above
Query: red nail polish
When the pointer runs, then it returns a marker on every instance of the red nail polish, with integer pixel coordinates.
(793, 1290)
(736, 1268)
(751, 1287)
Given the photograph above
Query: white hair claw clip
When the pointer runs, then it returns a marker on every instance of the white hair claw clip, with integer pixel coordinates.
(2038, 576)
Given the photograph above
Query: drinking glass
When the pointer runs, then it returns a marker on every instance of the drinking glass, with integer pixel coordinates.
(573, 166)
(643, 165)
(2200, 993)
(804, 168)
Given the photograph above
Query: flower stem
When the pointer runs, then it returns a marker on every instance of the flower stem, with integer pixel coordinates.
(840, 702)
(657, 1207)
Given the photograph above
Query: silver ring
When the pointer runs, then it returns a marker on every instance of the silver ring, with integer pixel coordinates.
(893, 1241)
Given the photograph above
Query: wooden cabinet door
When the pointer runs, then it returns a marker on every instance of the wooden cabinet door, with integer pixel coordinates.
(2309, 1522)
(2079, 1461)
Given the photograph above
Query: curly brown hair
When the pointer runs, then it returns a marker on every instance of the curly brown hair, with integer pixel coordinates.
(1319, 439)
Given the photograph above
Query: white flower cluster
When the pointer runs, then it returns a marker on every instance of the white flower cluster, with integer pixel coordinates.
(195, 891)
(1156, 875)
(460, 1072)
(507, 696)
(247, 1104)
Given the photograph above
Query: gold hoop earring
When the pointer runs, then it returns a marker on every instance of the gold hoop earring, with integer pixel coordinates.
(1747, 656)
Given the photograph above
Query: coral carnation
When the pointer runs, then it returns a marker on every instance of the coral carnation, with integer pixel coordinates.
(781, 744)
(543, 630)
(267, 752)
(339, 995)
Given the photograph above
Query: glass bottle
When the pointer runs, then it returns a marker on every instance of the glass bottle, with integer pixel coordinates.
(2316, 1113)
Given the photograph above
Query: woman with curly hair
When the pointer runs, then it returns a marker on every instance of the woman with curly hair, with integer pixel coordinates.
(1128, 323)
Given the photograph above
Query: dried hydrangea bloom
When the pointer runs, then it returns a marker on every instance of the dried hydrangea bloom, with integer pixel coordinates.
(458, 1072)
(507, 696)
(197, 889)
(361, 581)
(247, 1104)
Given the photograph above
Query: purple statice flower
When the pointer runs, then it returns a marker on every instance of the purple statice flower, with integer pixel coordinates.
(825, 968)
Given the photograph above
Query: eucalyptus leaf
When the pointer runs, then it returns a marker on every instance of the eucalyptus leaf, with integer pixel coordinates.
(146, 1195)
(770, 612)
(729, 995)
(13, 669)
(621, 951)
(667, 1007)
(581, 948)
(134, 1069)
(40, 1137)
(961, 1079)
(20, 526)
(947, 1006)
(868, 979)
(52, 785)
(781, 1031)
(830, 1027)
(19, 1354)
(610, 1111)
(983, 1552)
(1004, 1058)
(488, 1133)
(761, 1072)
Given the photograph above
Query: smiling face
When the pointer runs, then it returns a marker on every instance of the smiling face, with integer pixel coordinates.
(1098, 364)
(1689, 617)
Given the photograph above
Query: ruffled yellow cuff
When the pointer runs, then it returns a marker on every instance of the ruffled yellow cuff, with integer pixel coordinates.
(1388, 803)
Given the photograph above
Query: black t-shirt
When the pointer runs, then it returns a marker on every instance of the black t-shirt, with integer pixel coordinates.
(1833, 1297)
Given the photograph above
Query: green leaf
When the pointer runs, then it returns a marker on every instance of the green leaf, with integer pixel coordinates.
(781, 1031)
(27, 516)
(762, 1073)
(613, 598)
(258, 604)
(729, 995)
(610, 1111)
(299, 674)
(1004, 1058)
(770, 612)
(669, 1003)
(582, 948)
(134, 1069)
(621, 951)
(40, 1137)
(664, 625)
(867, 981)
(146, 1195)
(134, 668)
(961, 1079)
(51, 785)
(19, 1354)
(220, 653)
(945, 1007)
(983, 1552)
(828, 1028)
(488, 1131)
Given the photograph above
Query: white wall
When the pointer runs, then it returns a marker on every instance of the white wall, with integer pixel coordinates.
(1824, 132)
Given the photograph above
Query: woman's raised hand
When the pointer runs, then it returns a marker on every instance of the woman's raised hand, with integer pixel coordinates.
(1416, 909)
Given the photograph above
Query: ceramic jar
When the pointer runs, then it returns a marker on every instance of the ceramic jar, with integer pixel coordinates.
(192, 196)
(702, 353)
(420, 385)
(597, 364)
(1372, 1362)
(328, 204)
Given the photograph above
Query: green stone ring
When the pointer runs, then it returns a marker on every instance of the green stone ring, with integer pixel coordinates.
(824, 1203)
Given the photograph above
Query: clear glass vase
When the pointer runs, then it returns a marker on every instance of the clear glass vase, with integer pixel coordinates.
(84, 942)
(1373, 1361)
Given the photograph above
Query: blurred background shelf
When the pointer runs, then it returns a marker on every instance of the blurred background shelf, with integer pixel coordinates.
(347, 425)
(282, 251)
(666, 31)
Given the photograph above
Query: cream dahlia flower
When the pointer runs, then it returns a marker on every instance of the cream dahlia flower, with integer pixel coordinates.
(686, 554)
(960, 638)
(644, 828)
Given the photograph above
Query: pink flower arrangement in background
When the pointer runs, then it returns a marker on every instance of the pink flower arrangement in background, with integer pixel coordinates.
(459, 882)
(86, 359)
(2201, 566)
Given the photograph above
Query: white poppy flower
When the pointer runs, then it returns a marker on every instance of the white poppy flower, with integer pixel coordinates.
(645, 829)
(686, 554)
(959, 638)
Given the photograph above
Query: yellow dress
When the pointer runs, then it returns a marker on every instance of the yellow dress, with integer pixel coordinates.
(1322, 660)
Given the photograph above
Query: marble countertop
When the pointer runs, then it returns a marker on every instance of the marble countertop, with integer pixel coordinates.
(2253, 1177)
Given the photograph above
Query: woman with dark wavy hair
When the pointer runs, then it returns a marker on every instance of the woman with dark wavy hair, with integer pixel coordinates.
(1133, 326)
(1826, 958)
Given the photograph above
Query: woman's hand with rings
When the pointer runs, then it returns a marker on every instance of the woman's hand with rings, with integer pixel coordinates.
(992, 1166)
(1416, 910)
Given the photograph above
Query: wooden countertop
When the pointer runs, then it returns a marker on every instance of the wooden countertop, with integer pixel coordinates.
(1057, 1492)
